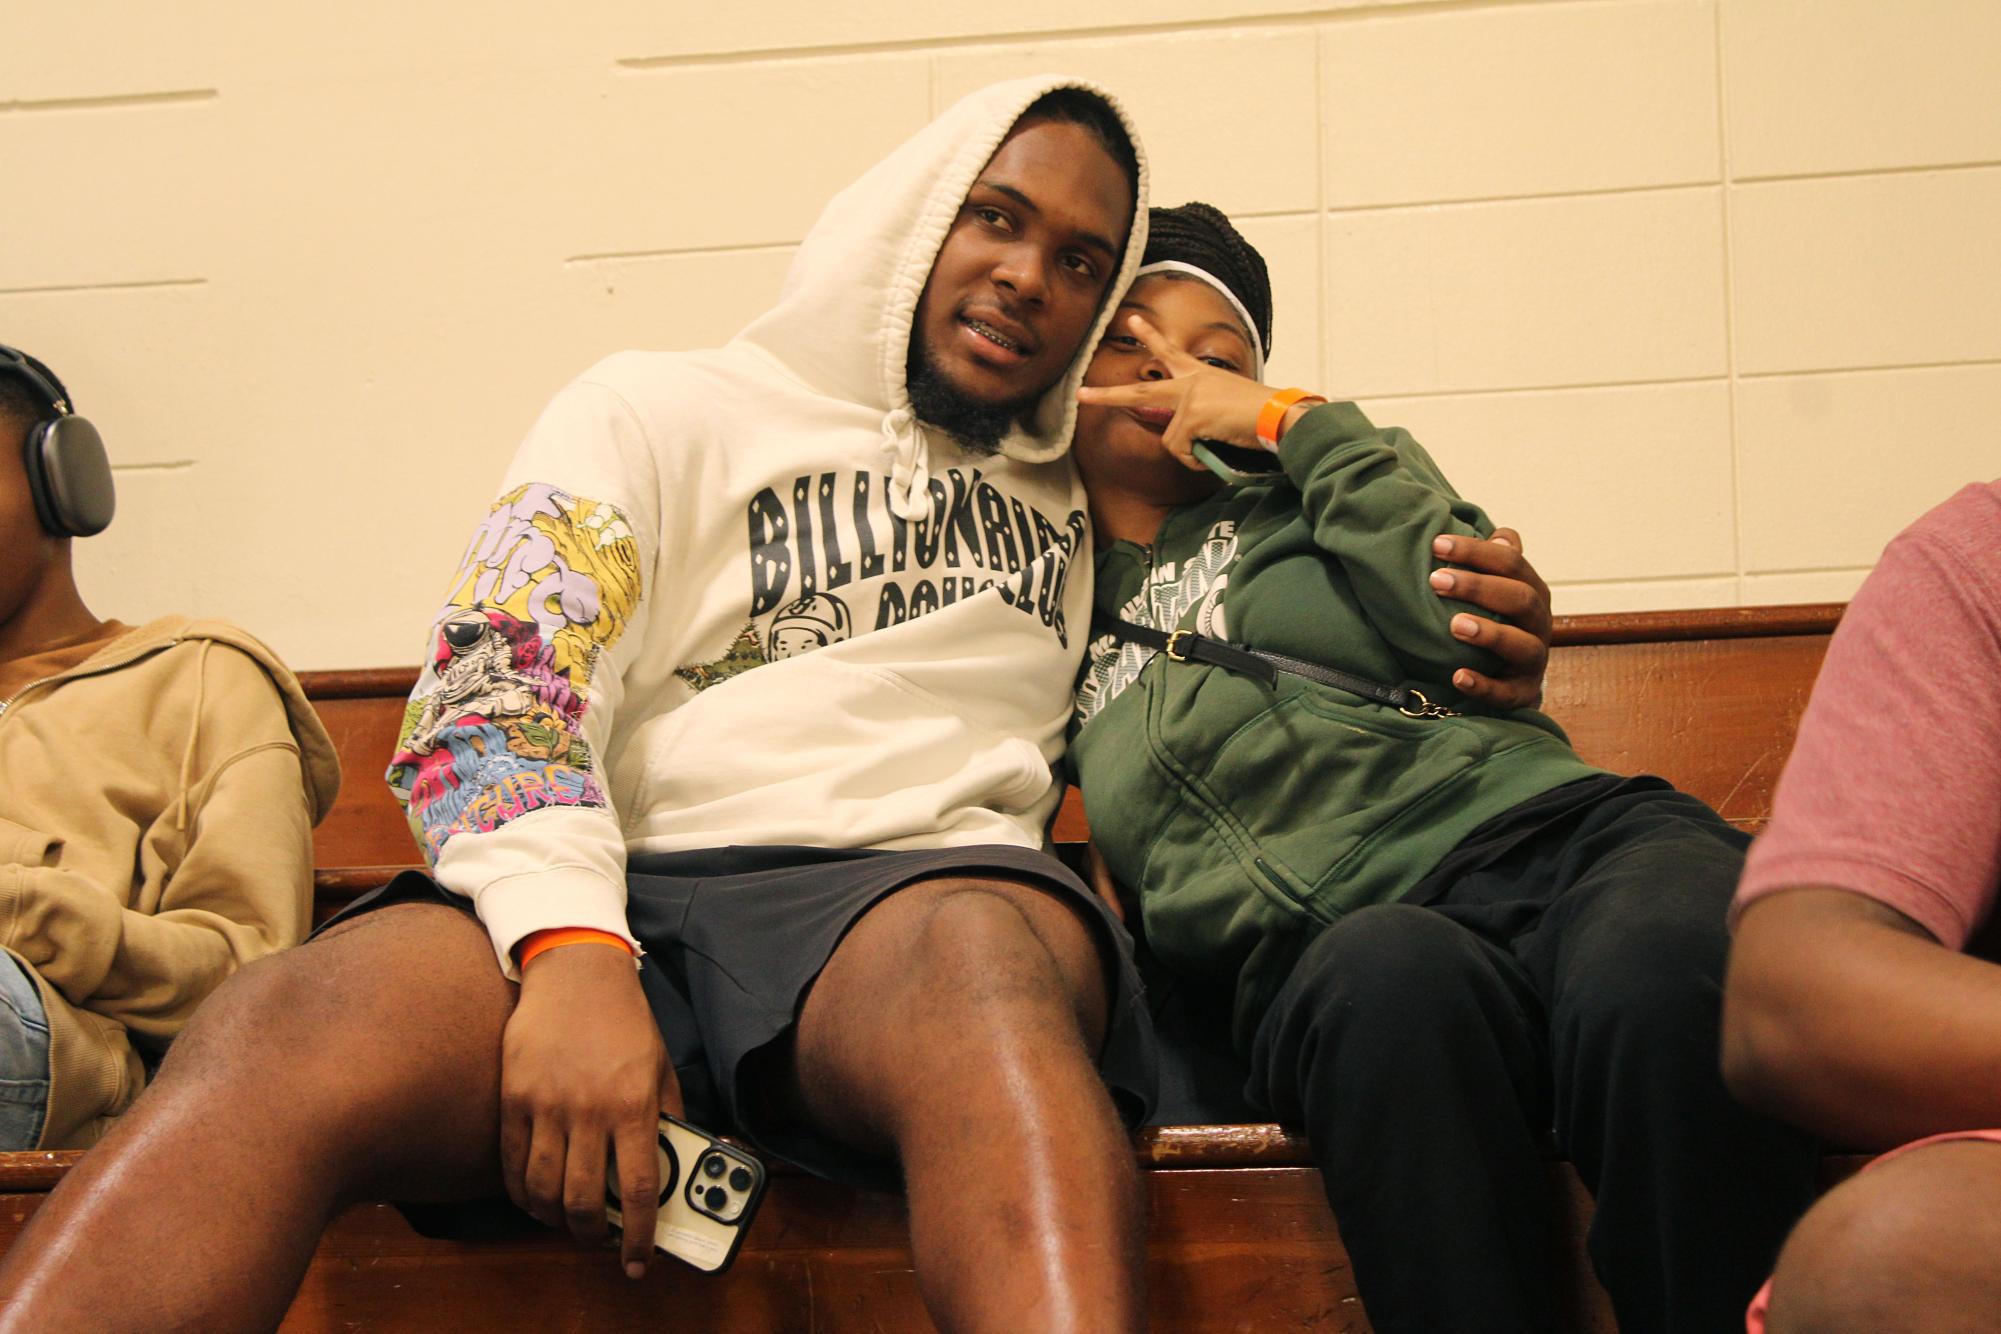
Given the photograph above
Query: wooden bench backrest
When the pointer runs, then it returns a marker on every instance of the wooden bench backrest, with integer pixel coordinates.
(1707, 699)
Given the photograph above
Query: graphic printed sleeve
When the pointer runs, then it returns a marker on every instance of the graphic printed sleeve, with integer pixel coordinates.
(1376, 500)
(500, 762)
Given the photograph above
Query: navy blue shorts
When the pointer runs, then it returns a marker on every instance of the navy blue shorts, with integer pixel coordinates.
(734, 938)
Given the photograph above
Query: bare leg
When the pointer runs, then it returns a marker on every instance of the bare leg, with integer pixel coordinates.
(1909, 1245)
(956, 1026)
(366, 1061)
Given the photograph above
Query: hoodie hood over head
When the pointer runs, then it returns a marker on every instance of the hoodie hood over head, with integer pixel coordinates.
(739, 596)
(865, 263)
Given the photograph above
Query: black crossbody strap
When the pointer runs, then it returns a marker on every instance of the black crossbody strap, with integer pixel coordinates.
(1187, 646)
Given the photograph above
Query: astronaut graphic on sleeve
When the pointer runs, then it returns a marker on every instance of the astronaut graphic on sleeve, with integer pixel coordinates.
(476, 677)
(495, 727)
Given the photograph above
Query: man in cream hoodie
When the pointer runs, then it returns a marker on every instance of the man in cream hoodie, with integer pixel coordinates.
(885, 975)
(158, 788)
(755, 672)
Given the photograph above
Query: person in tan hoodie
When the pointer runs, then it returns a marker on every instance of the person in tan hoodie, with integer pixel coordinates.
(158, 788)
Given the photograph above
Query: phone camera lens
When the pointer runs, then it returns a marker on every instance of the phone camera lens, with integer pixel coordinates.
(717, 1197)
(713, 1165)
(740, 1179)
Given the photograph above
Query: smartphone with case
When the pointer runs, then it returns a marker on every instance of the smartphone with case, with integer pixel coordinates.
(1235, 463)
(709, 1192)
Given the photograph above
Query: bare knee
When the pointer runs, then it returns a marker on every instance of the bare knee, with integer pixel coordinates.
(1908, 1245)
(981, 948)
(963, 927)
(937, 983)
(263, 1017)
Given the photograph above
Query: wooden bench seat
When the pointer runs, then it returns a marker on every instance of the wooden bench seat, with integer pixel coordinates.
(1240, 1235)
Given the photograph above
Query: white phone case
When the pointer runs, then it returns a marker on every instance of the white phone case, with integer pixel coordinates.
(708, 1192)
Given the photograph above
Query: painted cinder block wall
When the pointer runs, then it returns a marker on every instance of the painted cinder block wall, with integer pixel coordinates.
(1699, 294)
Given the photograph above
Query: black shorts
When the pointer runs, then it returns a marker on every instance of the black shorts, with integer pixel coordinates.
(734, 938)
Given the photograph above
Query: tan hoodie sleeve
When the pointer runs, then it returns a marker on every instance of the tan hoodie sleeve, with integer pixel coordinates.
(225, 876)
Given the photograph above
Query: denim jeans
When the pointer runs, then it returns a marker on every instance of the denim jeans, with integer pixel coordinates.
(24, 1057)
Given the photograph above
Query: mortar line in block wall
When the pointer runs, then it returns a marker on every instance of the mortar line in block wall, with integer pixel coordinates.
(1480, 201)
(1729, 303)
(1517, 390)
(622, 256)
(162, 465)
(1679, 577)
(108, 101)
(137, 285)
(1310, 18)
(1324, 361)
(1867, 173)
(1271, 214)
(1808, 569)
(1876, 368)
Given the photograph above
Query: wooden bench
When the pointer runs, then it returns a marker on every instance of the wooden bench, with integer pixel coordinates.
(1240, 1236)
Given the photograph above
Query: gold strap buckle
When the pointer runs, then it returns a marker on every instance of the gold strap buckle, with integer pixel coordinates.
(1425, 708)
(1174, 644)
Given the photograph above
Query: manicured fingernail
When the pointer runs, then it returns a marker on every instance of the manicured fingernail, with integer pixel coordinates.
(1441, 546)
(1463, 626)
(634, 1269)
(1463, 680)
(1442, 580)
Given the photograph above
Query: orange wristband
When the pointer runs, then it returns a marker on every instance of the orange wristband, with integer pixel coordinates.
(1274, 410)
(540, 942)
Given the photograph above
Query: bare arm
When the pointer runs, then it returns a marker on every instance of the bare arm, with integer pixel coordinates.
(1848, 1018)
(1850, 1007)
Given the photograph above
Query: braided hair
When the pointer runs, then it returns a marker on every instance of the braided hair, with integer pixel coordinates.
(1199, 234)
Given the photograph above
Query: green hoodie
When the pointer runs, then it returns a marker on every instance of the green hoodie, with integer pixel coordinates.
(1247, 817)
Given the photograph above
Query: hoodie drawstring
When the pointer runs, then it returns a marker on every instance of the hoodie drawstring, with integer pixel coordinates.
(194, 735)
(910, 478)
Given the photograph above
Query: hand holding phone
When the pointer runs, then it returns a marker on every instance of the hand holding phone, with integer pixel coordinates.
(709, 1191)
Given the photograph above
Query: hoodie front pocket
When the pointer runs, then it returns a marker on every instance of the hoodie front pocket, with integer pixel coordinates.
(22, 846)
(1308, 780)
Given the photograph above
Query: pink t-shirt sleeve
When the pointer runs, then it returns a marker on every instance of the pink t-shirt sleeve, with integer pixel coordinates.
(1894, 785)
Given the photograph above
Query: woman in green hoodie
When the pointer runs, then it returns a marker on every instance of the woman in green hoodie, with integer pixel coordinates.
(1439, 934)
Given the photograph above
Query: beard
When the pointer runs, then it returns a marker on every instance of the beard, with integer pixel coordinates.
(979, 427)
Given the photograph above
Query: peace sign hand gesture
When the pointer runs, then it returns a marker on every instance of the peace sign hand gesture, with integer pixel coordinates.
(1207, 403)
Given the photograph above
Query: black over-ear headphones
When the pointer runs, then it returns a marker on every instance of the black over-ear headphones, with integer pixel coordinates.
(69, 475)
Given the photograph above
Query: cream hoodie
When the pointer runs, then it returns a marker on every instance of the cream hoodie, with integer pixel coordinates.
(156, 811)
(742, 596)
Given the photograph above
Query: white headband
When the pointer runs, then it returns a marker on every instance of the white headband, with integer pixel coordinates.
(1222, 289)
